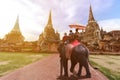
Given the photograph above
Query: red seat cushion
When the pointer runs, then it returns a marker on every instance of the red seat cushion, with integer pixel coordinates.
(75, 43)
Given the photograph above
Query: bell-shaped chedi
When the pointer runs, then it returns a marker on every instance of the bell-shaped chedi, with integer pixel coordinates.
(15, 36)
(92, 31)
(48, 40)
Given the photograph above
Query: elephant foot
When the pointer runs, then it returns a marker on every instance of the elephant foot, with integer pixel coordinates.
(59, 77)
(65, 75)
(74, 73)
(88, 76)
(71, 70)
(78, 74)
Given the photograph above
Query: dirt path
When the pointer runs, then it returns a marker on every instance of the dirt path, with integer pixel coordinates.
(48, 69)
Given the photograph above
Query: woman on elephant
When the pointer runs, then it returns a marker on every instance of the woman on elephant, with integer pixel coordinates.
(65, 38)
(73, 41)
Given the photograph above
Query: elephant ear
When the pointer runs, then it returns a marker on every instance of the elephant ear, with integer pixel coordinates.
(60, 47)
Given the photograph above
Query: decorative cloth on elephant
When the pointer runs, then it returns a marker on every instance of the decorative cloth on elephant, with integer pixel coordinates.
(75, 43)
(69, 48)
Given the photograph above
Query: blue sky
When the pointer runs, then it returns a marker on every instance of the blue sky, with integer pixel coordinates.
(33, 15)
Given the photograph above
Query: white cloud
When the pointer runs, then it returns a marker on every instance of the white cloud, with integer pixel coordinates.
(7, 16)
(109, 25)
(34, 14)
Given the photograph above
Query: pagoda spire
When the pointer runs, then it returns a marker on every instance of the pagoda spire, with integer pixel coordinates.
(15, 36)
(50, 18)
(16, 26)
(91, 17)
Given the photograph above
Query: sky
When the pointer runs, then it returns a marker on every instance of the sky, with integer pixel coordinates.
(33, 15)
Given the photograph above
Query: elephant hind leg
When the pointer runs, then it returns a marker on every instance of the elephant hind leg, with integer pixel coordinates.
(73, 63)
(80, 69)
(84, 62)
(88, 74)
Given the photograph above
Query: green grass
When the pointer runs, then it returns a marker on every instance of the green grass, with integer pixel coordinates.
(11, 61)
(109, 61)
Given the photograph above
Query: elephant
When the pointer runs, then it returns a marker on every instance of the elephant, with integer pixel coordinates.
(80, 54)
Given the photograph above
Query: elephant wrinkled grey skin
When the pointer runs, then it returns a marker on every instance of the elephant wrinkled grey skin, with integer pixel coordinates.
(80, 55)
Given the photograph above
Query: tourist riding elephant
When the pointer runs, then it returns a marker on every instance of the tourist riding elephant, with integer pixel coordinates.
(79, 55)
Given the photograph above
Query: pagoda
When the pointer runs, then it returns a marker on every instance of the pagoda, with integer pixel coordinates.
(48, 39)
(14, 36)
(92, 32)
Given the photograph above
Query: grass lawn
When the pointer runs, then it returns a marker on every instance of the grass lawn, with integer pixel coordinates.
(10, 61)
(109, 65)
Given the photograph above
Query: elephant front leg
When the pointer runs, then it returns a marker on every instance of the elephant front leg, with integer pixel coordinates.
(66, 67)
(61, 67)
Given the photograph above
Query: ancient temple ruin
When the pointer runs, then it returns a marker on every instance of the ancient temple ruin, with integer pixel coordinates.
(92, 33)
(15, 35)
(48, 40)
(14, 40)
